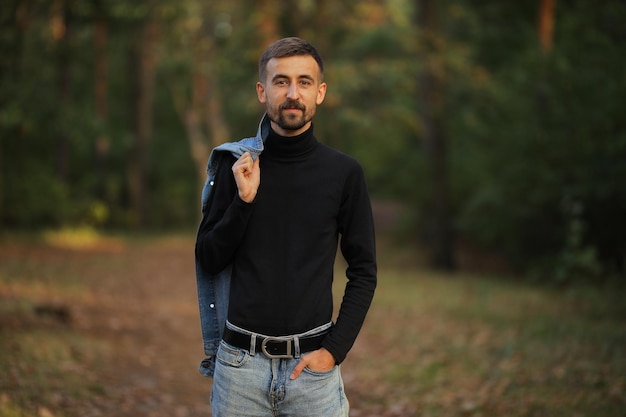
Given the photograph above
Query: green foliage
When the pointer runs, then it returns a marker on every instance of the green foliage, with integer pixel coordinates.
(529, 134)
(543, 134)
(37, 199)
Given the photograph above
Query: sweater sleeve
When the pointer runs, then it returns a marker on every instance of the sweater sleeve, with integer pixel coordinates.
(358, 247)
(223, 223)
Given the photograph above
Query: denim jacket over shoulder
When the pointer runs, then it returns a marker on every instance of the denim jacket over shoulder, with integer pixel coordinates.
(214, 289)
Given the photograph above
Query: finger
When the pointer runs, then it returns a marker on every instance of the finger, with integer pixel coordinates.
(243, 164)
(298, 369)
(243, 157)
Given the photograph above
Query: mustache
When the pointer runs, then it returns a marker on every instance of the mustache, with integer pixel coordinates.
(292, 104)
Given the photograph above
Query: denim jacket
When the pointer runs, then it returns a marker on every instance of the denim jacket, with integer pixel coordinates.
(213, 289)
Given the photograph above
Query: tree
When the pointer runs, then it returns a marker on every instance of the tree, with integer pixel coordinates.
(142, 61)
(200, 107)
(62, 28)
(432, 100)
(546, 24)
(100, 87)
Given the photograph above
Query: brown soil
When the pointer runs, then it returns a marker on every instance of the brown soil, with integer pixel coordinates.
(148, 311)
(137, 306)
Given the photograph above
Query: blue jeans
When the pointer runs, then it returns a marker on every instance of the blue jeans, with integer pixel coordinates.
(252, 385)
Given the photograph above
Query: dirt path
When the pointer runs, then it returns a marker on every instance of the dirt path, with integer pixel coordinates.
(122, 339)
(131, 327)
(143, 305)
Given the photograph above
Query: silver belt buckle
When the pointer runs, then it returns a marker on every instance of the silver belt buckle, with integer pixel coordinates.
(288, 355)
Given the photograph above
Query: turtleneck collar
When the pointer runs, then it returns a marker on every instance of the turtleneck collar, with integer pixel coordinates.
(292, 146)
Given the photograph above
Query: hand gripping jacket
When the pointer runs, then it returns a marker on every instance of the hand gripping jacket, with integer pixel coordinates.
(214, 289)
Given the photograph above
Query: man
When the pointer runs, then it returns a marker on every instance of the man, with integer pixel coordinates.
(273, 223)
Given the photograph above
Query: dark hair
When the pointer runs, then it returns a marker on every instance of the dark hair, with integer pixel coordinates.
(288, 47)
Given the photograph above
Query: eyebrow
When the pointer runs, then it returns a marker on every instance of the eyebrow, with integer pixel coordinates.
(306, 76)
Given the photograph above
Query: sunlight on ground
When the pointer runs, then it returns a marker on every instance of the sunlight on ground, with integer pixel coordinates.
(83, 238)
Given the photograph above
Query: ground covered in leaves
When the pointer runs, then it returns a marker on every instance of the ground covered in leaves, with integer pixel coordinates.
(109, 327)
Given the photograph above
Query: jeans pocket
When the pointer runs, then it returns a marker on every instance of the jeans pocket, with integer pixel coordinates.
(231, 356)
(320, 373)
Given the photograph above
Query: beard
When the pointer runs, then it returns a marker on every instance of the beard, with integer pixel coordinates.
(291, 121)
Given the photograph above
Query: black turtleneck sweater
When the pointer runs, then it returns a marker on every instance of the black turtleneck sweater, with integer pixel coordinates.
(283, 244)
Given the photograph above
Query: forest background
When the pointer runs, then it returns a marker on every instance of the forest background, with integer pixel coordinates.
(497, 126)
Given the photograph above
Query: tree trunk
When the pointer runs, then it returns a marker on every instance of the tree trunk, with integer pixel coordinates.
(60, 26)
(142, 72)
(12, 76)
(545, 27)
(201, 112)
(192, 114)
(268, 27)
(102, 144)
(431, 95)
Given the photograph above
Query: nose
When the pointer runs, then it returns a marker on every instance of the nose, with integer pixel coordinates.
(293, 93)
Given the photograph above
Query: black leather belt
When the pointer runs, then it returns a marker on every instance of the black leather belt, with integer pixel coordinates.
(274, 347)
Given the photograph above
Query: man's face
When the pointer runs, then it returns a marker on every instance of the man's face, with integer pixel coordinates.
(291, 91)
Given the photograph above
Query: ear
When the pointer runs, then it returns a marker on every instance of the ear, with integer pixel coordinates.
(260, 92)
(321, 93)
